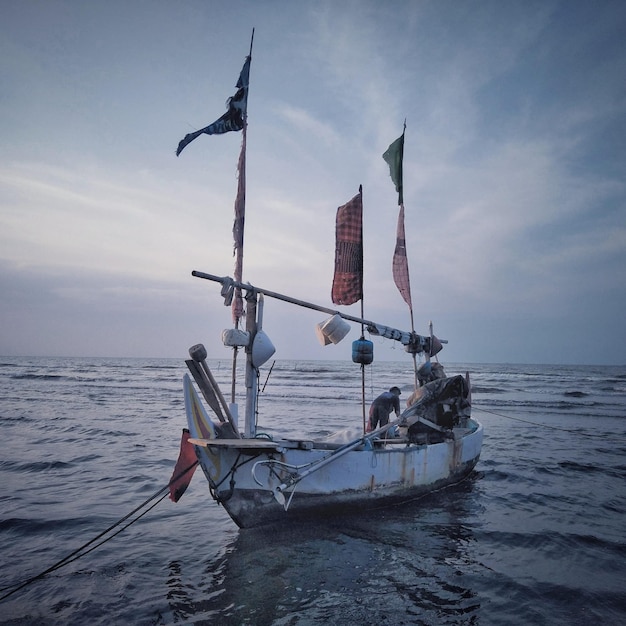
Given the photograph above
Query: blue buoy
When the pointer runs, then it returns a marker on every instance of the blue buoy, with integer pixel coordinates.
(362, 351)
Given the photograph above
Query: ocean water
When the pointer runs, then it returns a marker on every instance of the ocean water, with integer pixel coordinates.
(536, 535)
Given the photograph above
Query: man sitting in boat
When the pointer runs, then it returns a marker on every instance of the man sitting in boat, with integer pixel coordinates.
(382, 406)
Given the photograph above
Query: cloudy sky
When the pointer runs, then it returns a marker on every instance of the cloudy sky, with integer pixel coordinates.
(515, 172)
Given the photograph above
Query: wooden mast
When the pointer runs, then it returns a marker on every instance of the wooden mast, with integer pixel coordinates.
(238, 232)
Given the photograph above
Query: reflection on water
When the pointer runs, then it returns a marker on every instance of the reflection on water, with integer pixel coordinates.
(386, 566)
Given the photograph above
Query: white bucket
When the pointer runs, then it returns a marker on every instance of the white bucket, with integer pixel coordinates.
(333, 330)
(235, 337)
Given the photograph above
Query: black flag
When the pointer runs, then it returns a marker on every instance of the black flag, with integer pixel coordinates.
(234, 118)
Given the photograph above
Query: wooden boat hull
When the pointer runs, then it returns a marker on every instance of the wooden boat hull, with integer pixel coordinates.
(253, 478)
(371, 476)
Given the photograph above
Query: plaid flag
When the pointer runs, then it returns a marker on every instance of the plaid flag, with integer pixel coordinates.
(348, 278)
(234, 118)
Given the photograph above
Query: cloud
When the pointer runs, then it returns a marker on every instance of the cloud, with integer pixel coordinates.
(514, 185)
(306, 124)
(79, 312)
(100, 219)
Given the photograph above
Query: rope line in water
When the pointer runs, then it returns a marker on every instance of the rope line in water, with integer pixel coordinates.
(81, 551)
(519, 419)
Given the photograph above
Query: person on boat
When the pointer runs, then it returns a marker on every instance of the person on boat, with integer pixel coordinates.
(382, 407)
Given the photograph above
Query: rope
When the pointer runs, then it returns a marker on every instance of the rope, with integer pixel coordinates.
(81, 551)
(519, 419)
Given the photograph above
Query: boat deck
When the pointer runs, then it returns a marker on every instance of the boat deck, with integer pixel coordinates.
(267, 445)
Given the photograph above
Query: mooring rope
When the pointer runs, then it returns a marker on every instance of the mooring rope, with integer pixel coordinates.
(82, 551)
(519, 419)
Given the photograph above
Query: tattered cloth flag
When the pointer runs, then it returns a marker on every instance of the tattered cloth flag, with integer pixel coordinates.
(185, 467)
(234, 118)
(238, 229)
(393, 156)
(348, 278)
(400, 266)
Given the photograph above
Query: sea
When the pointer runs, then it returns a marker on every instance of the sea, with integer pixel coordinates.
(536, 534)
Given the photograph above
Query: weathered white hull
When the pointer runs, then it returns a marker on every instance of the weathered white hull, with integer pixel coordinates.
(363, 477)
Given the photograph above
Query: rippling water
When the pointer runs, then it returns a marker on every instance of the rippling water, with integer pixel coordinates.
(535, 536)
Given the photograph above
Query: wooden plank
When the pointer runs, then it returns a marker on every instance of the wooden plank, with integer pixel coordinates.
(205, 388)
(250, 444)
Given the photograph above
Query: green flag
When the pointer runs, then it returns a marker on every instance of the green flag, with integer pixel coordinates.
(393, 157)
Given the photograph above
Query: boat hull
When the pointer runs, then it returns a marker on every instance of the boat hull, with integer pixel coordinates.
(369, 476)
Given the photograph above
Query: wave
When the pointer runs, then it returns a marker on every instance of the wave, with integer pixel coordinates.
(34, 466)
(38, 377)
(27, 526)
(479, 389)
(554, 540)
(548, 405)
(591, 468)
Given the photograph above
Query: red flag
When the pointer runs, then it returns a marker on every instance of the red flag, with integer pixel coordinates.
(185, 467)
(400, 268)
(348, 278)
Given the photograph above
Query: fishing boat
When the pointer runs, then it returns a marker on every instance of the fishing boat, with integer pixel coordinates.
(261, 479)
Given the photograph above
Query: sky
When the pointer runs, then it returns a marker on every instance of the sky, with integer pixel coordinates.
(514, 173)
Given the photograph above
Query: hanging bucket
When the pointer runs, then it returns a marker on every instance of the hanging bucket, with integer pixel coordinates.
(235, 338)
(332, 330)
(362, 351)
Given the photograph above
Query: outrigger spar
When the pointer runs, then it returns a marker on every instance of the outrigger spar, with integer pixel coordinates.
(413, 342)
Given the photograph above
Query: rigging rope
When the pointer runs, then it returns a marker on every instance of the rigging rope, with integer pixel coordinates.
(81, 551)
(519, 419)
